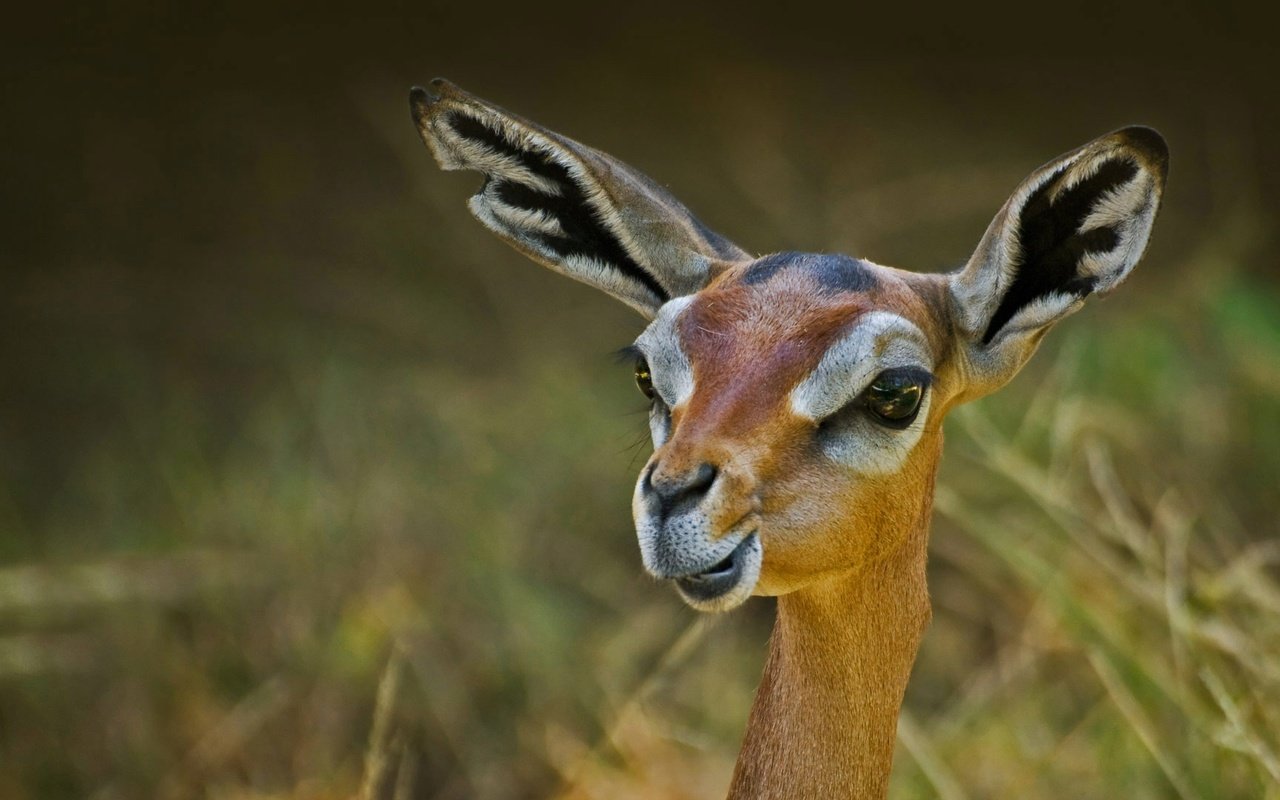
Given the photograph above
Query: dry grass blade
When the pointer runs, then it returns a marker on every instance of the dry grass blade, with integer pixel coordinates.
(382, 764)
(921, 748)
(229, 736)
(1141, 725)
(39, 592)
(628, 715)
(1237, 733)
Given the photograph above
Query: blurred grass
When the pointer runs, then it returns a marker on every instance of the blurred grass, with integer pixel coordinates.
(308, 487)
(1145, 658)
(1108, 610)
(1106, 587)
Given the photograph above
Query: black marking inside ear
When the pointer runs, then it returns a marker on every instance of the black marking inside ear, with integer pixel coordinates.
(1051, 246)
(584, 234)
(476, 131)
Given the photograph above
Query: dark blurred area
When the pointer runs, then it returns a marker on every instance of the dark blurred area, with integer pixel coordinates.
(185, 181)
(275, 409)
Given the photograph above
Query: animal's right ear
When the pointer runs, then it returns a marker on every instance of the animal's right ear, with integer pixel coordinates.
(1074, 228)
(569, 207)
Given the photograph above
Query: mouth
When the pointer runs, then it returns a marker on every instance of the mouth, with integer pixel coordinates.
(728, 582)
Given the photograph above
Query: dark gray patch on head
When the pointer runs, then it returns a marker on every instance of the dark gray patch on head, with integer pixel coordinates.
(841, 273)
(836, 273)
(767, 267)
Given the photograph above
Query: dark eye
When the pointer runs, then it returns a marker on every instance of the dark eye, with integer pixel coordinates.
(643, 379)
(894, 397)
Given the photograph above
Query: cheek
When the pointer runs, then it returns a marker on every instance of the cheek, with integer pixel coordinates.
(824, 517)
(869, 449)
(809, 526)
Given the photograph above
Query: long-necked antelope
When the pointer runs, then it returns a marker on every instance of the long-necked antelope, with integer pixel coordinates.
(797, 402)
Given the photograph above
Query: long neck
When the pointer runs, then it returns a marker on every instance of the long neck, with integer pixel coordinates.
(825, 717)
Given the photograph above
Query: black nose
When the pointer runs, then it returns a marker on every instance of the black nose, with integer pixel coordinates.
(677, 493)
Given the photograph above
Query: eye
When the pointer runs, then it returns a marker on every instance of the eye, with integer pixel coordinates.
(643, 379)
(894, 397)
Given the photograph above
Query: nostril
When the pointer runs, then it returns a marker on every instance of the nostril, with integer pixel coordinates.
(647, 480)
(702, 478)
(687, 488)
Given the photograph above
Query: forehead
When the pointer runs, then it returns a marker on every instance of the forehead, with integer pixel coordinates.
(762, 329)
(787, 309)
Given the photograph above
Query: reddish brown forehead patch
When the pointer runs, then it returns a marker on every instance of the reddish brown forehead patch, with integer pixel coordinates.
(759, 330)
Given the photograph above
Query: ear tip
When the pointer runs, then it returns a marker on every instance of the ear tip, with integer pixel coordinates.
(421, 100)
(1149, 144)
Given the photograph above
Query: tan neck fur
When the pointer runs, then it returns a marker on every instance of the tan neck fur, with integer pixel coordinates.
(825, 716)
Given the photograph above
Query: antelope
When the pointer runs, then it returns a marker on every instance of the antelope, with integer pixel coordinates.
(796, 401)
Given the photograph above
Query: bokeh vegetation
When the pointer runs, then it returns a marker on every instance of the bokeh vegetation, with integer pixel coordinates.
(308, 485)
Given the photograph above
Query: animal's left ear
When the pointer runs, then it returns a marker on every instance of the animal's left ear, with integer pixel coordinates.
(1074, 228)
(569, 207)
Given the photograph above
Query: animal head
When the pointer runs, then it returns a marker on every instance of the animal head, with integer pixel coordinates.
(796, 399)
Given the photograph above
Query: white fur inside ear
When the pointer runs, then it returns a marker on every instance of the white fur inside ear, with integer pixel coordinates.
(519, 226)
(455, 151)
(569, 206)
(1130, 210)
(1039, 313)
(523, 218)
(992, 268)
(1126, 209)
(1085, 219)
(607, 278)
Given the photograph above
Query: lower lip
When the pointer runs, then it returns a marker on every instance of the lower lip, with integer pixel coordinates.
(719, 580)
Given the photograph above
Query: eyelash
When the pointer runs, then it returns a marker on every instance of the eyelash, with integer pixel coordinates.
(861, 403)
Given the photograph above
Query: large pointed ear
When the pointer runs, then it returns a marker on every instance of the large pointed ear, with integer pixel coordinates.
(569, 207)
(1076, 227)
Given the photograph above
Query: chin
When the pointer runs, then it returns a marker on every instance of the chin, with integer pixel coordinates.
(727, 585)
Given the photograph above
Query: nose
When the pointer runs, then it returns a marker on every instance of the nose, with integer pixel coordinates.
(680, 491)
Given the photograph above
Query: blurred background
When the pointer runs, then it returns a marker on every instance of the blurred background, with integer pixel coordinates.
(309, 486)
